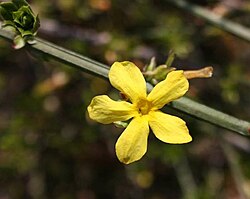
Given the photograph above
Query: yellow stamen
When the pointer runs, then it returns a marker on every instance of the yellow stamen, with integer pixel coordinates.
(144, 106)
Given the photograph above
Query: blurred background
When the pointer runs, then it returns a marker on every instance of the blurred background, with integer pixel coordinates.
(49, 148)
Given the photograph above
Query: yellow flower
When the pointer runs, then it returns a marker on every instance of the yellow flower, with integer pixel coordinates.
(143, 108)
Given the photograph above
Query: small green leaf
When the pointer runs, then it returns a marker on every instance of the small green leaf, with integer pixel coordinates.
(31, 40)
(26, 33)
(24, 18)
(19, 17)
(171, 57)
(5, 14)
(20, 3)
(18, 42)
(9, 6)
(6, 8)
(8, 23)
(36, 25)
(151, 65)
(162, 71)
(120, 124)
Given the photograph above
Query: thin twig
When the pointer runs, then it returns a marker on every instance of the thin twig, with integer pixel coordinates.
(69, 57)
(211, 115)
(90, 66)
(224, 24)
(233, 161)
(64, 55)
(238, 141)
(185, 177)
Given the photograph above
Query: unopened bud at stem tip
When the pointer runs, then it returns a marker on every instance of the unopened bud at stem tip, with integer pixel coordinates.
(205, 72)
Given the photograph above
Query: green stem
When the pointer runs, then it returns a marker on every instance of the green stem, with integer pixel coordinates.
(66, 56)
(233, 161)
(211, 115)
(185, 178)
(90, 66)
(216, 20)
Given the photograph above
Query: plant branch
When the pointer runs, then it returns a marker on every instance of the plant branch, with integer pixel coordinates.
(234, 164)
(185, 177)
(90, 66)
(69, 57)
(211, 115)
(216, 20)
(64, 55)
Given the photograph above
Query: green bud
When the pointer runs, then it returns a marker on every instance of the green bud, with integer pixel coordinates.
(18, 42)
(18, 17)
(171, 57)
(120, 124)
(155, 73)
(151, 66)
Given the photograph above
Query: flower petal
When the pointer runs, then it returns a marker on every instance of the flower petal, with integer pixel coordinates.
(173, 87)
(132, 144)
(168, 128)
(127, 78)
(105, 110)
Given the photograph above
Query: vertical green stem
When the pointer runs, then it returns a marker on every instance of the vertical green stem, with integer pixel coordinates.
(234, 165)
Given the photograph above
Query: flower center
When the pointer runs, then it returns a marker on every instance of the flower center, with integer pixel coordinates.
(144, 106)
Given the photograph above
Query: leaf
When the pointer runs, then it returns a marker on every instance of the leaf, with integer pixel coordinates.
(9, 6)
(9, 28)
(6, 9)
(8, 23)
(20, 3)
(26, 9)
(171, 57)
(26, 33)
(151, 65)
(18, 42)
(19, 18)
(31, 40)
(120, 124)
(36, 25)
(25, 18)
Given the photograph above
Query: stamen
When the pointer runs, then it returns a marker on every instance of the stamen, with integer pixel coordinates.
(144, 106)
